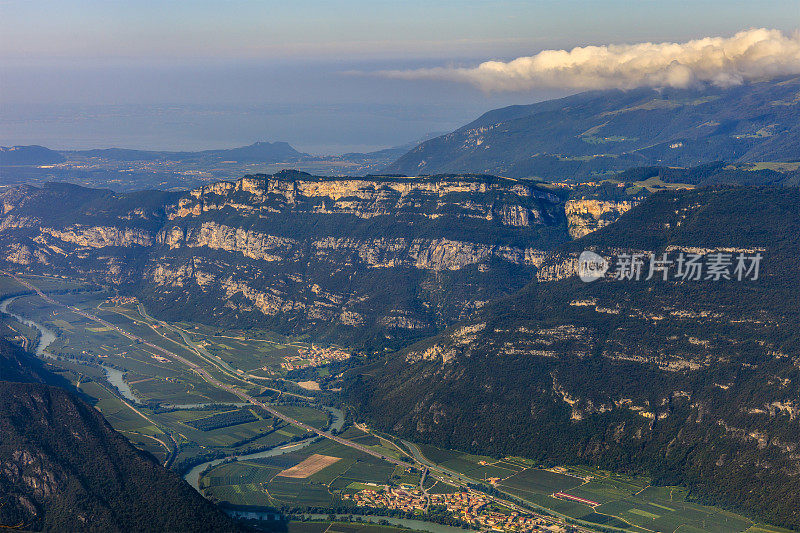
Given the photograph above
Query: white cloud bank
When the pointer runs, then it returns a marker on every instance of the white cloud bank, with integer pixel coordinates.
(722, 61)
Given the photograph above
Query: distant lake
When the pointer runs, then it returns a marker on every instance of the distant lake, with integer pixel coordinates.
(315, 129)
(318, 106)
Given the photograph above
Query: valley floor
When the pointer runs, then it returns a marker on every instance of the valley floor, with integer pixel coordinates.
(219, 405)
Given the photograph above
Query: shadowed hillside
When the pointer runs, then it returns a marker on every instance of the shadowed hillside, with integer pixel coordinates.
(63, 468)
(693, 382)
(598, 132)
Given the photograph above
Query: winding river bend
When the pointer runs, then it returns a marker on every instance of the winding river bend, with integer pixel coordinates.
(193, 476)
(46, 338)
(115, 377)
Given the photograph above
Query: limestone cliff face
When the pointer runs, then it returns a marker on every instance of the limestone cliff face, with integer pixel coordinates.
(22, 255)
(443, 254)
(429, 254)
(355, 252)
(511, 202)
(557, 267)
(586, 216)
(101, 236)
(249, 243)
(15, 222)
(393, 256)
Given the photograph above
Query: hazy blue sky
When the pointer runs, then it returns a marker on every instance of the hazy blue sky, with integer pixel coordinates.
(58, 54)
(161, 31)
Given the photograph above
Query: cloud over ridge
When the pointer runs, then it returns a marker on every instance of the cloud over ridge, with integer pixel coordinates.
(722, 61)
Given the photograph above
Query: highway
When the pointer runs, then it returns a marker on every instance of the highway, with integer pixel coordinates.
(210, 358)
(206, 376)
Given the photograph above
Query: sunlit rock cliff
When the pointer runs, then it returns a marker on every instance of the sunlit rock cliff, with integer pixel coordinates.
(374, 258)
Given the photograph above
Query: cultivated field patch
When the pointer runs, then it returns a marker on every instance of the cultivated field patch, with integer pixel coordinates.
(310, 466)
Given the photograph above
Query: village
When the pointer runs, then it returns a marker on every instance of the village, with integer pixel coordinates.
(122, 300)
(314, 356)
(470, 507)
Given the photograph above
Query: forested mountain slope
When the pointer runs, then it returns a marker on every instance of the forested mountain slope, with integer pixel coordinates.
(364, 260)
(19, 366)
(600, 131)
(63, 468)
(693, 382)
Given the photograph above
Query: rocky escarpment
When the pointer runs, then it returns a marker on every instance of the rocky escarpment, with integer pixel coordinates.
(389, 256)
(429, 254)
(586, 216)
(403, 256)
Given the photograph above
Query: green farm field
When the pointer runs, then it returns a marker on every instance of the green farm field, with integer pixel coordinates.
(244, 482)
(340, 527)
(312, 417)
(620, 501)
(260, 352)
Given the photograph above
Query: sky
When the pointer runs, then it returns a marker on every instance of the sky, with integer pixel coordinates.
(198, 74)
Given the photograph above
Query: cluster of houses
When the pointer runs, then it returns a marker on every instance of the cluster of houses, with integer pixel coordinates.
(385, 497)
(122, 300)
(314, 356)
(468, 506)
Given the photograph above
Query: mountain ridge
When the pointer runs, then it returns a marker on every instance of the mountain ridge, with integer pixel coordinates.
(29, 155)
(597, 132)
(261, 151)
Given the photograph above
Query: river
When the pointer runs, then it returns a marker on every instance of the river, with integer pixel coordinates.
(193, 476)
(115, 377)
(46, 338)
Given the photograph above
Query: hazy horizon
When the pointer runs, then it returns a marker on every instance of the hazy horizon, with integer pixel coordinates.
(319, 108)
(196, 75)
